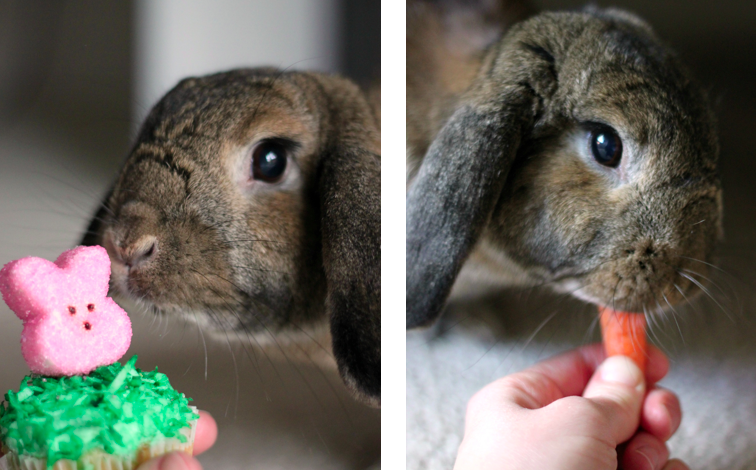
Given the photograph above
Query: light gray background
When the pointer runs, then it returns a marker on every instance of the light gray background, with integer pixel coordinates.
(75, 76)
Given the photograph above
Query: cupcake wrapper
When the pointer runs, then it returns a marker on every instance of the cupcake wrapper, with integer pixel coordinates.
(99, 460)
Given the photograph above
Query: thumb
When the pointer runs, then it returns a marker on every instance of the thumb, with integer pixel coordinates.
(617, 388)
(172, 461)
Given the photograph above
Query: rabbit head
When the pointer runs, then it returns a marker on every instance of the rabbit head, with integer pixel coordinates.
(250, 202)
(582, 155)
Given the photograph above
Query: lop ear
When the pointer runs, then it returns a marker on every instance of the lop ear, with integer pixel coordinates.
(456, 188)
(349, 188)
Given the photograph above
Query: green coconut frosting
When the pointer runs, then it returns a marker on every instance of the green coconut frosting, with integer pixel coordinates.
(115, 408)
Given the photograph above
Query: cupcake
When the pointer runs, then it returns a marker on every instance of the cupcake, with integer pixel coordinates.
(79, 408)
(113, 418)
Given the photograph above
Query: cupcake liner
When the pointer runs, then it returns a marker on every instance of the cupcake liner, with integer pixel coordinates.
(99, 460)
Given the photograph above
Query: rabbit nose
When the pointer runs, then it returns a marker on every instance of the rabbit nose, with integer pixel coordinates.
(140, 252)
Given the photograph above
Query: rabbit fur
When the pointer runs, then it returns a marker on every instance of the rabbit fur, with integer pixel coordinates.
(192, 231)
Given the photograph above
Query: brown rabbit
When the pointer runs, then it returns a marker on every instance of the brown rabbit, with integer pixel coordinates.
(573, 150)
(251, 202)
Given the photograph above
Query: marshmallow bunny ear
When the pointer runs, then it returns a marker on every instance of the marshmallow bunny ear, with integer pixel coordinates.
(91, 264)
(28, 285)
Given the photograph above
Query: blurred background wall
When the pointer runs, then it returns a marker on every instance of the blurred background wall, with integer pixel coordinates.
(76, 78)
(177, 38)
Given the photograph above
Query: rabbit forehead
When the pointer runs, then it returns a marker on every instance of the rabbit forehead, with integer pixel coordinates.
(273, 122)
(613, 71)
(219, 106)
(624, 72)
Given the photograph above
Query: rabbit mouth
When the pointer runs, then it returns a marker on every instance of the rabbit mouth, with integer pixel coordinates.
(218, 311)
(639, 283)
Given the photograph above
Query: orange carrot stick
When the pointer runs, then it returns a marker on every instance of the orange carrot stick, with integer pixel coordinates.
(624, 334)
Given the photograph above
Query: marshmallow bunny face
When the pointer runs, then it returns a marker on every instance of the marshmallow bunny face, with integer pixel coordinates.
(70, 325)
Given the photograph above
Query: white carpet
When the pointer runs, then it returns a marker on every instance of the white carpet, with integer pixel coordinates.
(713, 372)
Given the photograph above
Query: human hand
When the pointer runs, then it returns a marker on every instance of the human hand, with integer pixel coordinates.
(576, 411)
(207, 432)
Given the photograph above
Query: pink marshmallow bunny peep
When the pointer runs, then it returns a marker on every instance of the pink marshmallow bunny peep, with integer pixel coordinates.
(71, 326)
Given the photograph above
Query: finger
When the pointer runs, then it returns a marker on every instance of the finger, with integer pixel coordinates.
(657, 364)
(571, 371)
(206, 434)
(644, 452)
(172, 461)
(675, 464)
(661, 414)
(617, 388)
(565, 375)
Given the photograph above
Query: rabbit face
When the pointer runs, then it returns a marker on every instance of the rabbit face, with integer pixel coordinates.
(626, 234)
(195, 230)
(582, 156)
(220, 213)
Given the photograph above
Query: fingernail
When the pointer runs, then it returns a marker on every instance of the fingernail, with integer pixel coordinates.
(675, 464)
(621, 369)
(175, 461)
(650, 454)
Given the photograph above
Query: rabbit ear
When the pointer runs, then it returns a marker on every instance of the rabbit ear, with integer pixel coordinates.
(351, 233)
(455, 190)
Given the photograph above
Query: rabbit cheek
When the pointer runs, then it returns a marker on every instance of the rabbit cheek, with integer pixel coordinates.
(283, 257)
(548, 213)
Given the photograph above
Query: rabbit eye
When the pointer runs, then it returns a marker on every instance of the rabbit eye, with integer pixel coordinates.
(606, 146)
(269, 161)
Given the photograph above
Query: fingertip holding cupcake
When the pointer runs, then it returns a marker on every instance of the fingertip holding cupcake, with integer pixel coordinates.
(207, 433)
(172, 461)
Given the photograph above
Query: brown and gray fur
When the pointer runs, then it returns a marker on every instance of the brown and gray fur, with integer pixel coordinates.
(190, 234)
(501, 186)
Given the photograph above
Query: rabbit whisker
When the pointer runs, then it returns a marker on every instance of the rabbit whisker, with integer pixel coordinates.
(675, 314)
(204, 344)
(706, 291)
(322, 374)
(689, 302)
(79, 188)
(278, 345)
(251, 337)
(719, 288)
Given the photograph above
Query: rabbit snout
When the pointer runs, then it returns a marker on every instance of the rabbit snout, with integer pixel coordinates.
(136, 254)
(163, 263)
(664, 255)
(642, 277)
